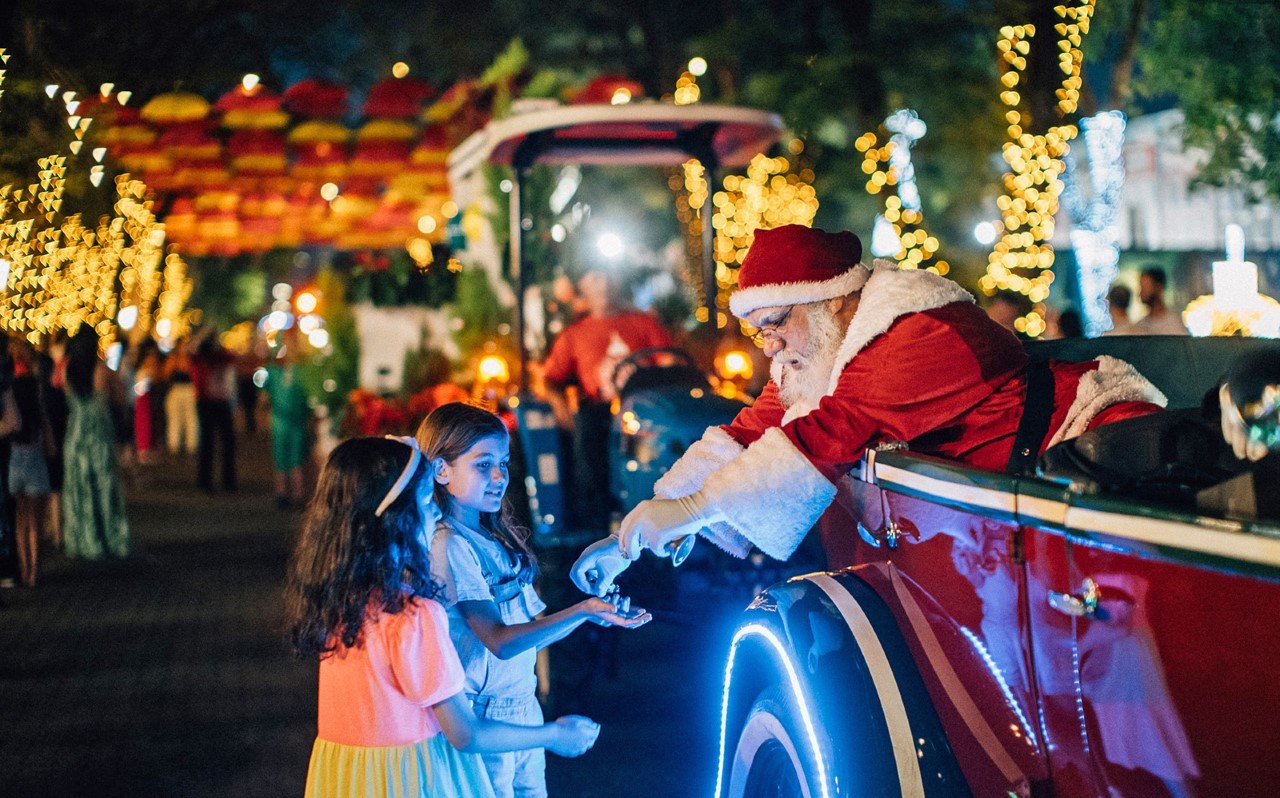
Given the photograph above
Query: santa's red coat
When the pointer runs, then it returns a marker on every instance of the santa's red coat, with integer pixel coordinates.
(920, 363)
(950, 382)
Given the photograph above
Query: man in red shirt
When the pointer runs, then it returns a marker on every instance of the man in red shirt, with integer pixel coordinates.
(586, 354)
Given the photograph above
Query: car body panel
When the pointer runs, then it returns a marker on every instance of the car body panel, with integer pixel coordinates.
(1132, 699)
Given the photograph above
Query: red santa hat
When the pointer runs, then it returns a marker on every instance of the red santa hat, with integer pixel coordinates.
(794, 265)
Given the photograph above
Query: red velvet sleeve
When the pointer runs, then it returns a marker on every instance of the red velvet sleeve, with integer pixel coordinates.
(751, 422)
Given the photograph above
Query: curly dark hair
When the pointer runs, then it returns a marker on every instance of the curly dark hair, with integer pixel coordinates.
(350, 564)
(447, 433)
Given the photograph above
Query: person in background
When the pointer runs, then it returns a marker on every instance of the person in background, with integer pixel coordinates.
(1118, 300)
(1160, 320)
(10, 422)
(1006, 307)
(1070, 324)
(146, 374)
(586, 354)
(247, 391)
(290, 423)
(214, 378)
(93, 514)
(28, 464)
(181, 420)
(53, 374)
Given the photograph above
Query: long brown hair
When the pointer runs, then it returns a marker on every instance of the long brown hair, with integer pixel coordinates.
(448, 433)
(348, 560)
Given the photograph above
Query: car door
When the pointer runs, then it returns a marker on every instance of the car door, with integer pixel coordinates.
(1173, 620)
(938, 543)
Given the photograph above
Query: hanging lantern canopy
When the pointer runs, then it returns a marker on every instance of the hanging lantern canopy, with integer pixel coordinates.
(257, 152)
(175, 107)
(190, 141)
(254, 108)
(387, 130)
(316, 99)
(397, 98)
(319, 151)
(451, 102)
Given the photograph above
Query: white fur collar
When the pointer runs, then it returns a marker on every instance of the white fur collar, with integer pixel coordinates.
(889, 294)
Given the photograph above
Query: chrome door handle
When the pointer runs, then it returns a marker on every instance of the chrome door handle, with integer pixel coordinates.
(1084, 605)
(891, 532)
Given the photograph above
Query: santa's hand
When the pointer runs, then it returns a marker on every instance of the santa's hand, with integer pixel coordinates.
(657, 523)
(1236, 431)
(598, 565)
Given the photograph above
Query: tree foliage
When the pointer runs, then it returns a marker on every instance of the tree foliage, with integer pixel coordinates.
(1220, 60)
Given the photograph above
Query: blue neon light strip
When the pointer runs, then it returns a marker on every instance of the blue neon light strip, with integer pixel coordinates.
(793, 678)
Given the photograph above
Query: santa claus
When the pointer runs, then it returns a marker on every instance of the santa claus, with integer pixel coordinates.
(860, 357)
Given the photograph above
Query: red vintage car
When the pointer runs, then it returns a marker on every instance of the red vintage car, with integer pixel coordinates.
(1081, 632)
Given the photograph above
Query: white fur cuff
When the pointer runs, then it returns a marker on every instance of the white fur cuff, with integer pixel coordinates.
(686, 475)
(771, 494)
(1113, 381)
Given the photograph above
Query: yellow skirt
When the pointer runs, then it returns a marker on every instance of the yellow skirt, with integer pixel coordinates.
(432, 767)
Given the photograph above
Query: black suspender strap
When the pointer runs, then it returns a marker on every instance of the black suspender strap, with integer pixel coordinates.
(1037, 410)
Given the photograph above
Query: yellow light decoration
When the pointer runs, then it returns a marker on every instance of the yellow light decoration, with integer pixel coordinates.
(1022, 259)
(918, 248)
(687, 91)
(64, 274)
(493, 368)
(768, 195)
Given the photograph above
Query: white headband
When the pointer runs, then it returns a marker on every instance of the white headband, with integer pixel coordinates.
(405, 475)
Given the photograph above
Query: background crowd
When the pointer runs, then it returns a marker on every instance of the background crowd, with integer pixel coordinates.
(77, 423)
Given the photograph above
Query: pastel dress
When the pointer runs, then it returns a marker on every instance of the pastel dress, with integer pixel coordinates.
(93, 516)
(473, 566)
(376, 735)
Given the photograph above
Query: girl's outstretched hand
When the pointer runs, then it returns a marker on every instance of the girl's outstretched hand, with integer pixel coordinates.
(574, 735)
(614, 610)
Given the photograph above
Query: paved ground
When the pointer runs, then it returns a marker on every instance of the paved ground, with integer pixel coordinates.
(166, 675)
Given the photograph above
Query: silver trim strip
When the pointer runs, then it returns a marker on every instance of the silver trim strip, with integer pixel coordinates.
(987, 498)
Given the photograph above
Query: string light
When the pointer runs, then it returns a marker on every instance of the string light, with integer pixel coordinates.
(687, 91)
(899, 231)
(64, 274)
(1093, 236)
(1022, 259)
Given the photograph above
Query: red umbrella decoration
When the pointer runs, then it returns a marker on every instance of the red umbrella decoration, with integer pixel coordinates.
(316, 99)
(397, 98)
(250, 172)
(427, 171)
(319, 151)
(256, 108)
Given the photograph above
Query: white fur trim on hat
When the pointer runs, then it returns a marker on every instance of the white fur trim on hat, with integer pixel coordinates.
(778, 295)
(1113, 381)
(770, 494)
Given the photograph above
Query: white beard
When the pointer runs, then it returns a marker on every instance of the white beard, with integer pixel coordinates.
(809, 383)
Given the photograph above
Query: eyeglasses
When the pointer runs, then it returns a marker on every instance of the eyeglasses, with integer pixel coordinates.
(771, 332)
